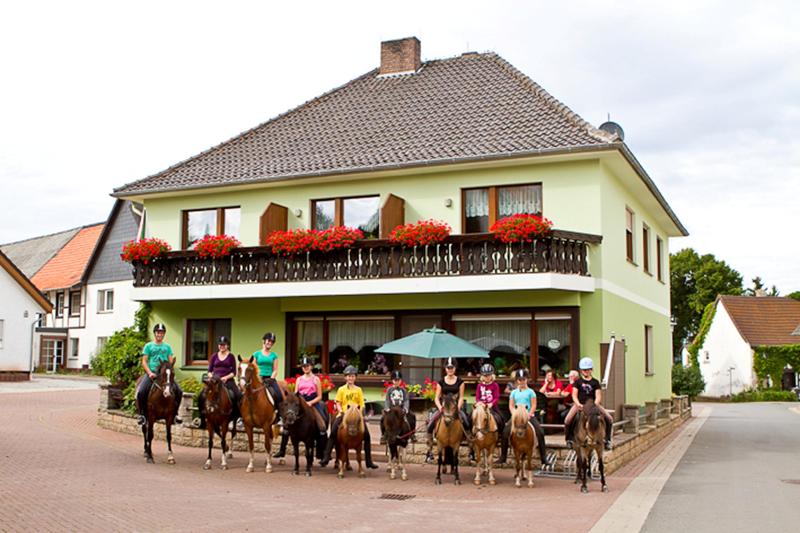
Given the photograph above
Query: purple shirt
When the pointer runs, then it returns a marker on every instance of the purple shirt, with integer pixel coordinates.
(488, 394)
(222, 368)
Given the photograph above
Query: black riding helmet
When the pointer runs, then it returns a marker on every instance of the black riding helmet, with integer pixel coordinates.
(269, 336)
(487, 369)
(523, 373)
(160, 327)
(305, 361)
(450, 362)
(396, 374)
(224, 340)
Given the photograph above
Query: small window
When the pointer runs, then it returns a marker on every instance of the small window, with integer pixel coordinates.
(101, 343)
(659, 259)
(105, 300)
(59, 304)
(202, 335)
(648, 350)
(75, 303)
(629, 220)
(361, 213)
(201, 222)
(73, 348)
(484, 206)
(646, 248)
(2, 329)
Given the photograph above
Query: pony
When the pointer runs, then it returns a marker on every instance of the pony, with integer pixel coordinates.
(160, 406)
(590, 432)
(298, 420)
(257, 409)
(523, 442)
(448, 432)
(484, 441)
(397, 431)
(350, 435)
(219, 412)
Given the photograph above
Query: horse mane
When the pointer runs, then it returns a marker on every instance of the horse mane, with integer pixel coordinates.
(519, 417)
(593, 413)
(351, 413)
(480, 414)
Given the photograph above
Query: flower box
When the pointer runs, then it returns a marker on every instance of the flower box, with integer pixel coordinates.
(216, 246)
(144, 250)
(422, 233)
(520, 228)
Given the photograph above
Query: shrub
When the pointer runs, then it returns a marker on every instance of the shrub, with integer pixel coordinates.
(216, 246)
(520, 228)
(292, 242)
(764, 396)
(687, 380)
(336, 238)
(144, 250)
(120, 358)
(422, 233)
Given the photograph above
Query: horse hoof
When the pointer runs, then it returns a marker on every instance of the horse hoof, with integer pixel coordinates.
(457, 482)
(492, 482)
(268, 470)
(171, 461)
(295, 473)
(308, 474)
(584, 490)
(404, 477)
(392, 476)
(530, 485)
(207, 466)
(250, 469)
(340, 476)
(224, 467)
(150, 460)
(362, 474)
(438, 481)
(605, 488)
(476, 482)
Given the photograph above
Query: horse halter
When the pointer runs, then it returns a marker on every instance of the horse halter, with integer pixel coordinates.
(247, 383)
(165, 389)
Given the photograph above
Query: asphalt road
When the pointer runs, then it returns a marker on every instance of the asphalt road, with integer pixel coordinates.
(741, 473)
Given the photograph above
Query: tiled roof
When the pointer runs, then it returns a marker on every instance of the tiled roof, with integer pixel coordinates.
(767, 320)
(67, 267)
(464, 108)
(31, 254)
(24, 282)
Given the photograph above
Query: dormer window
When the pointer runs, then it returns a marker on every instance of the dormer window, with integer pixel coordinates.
(361, 212)
(484, 206)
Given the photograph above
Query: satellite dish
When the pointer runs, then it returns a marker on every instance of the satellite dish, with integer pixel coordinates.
(613, 128)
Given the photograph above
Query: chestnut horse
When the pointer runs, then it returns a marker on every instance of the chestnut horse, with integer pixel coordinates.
(448, 432)
(350, 435)
(160, 406)
(523, 442)
(257, 409)
(299, 420)
(219, 412)
(484, 441)
(397, 432)
(590, 434)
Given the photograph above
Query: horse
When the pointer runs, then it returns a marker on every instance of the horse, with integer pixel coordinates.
(298, 420)
(523, 442)
(160, 406)
(448, 432)
(590, 433)
(484, 441)
(219, 411)
(397, 431)
(350, 435)
(256, 408)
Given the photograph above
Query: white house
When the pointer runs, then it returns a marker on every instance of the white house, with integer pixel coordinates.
(20, 308)
(741, 324)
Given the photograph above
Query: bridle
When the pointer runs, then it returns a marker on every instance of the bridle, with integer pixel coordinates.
(486, 422)
(219, 388)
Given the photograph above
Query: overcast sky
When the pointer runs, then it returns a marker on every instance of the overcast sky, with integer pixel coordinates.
(97, 94)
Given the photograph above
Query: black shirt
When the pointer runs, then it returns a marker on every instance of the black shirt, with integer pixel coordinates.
(451, 389)
(586, 389)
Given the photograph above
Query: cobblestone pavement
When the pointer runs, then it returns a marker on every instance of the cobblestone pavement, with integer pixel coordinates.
(59, 471)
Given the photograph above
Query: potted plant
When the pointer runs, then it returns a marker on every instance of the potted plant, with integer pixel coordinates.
(336, 238)
(144, 250)
(216, 246)
(421, 233)
(292, 242)
(521, 228)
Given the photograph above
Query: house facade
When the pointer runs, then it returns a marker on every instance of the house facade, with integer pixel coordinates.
(466, 140)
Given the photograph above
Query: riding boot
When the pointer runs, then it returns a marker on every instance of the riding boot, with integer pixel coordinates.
(541, 442)
(326, 457)
(504, 444)
(178, 400)
(368, 449)
(609, 431)
(321, 446)
(282, 450)
(429, 454)
(201, 408)
(568, 434)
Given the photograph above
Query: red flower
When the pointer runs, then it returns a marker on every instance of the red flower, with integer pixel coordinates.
(144, 250)
(292, 242)
(422, 233)
(216, 246)
(521, 228)
(331, 405)
(336, 238)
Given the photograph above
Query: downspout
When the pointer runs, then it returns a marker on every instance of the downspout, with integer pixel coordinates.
(33, 328)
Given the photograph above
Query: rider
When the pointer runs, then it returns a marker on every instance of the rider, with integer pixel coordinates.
(453, 385)
(309, 387)
(525, 397)
(222, 365)
(349, 394)
(267, 361)
(487, 392)
(397, 396)
(586, 388)
(153, 354)
(566, 393)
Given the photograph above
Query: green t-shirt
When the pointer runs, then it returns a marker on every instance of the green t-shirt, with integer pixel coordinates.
(265, 363)
(156, 354)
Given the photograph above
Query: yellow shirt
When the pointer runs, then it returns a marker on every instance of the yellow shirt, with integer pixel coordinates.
(346, 396)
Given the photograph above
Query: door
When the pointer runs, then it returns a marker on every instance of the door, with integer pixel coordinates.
(614, 393)
(51, 354)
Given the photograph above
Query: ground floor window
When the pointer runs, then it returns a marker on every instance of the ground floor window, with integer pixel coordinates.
(51, 353)
(554, 343)
(202, 335)
(507, 338)
(73, 348)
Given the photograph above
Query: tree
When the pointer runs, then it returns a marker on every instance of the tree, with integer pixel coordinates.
(695, 282)
(687, 380)
(758, 285)
(794, 295)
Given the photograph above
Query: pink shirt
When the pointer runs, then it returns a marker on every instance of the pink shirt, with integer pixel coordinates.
(307, 386)
(488, 394)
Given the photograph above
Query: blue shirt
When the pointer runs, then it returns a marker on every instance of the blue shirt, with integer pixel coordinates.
(523, 397)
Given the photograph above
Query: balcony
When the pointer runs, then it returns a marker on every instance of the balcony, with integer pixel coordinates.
(460, 256)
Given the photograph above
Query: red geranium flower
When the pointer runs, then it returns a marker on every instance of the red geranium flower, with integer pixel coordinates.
(216, 246)
(520, 228)
(422, 233)
(144, 250)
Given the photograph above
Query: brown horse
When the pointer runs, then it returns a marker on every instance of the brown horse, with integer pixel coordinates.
(523, 442)
(350, 435)
(448, 432)
(257, 409)
(219, 412)
(160, 406)
(397, 432)
(484, 441)
(590, 433)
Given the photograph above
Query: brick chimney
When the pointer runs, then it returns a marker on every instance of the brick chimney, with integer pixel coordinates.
(401, 55)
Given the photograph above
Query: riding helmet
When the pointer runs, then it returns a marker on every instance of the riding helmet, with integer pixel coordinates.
(487, 369)
(224, 340)
(451, 362)
(269, 336)
(523, 373)
(305, 361)
(396, 374)
(586, 363)
(160, 327)
(350, 370)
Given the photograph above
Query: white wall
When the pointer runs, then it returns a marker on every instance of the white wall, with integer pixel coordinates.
(15, 353)
(101, 324)
(725, 348)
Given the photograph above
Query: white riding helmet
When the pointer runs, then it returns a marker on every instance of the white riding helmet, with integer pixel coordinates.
(586, 363)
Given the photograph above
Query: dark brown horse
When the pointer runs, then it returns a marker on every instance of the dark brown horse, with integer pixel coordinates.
(484, 441)
(523, 442)
(160, 406)
(257, 409)
(448, 432)
(397, 432)
(219, 412)
(590, 434)
(299, 420)
(350, 436)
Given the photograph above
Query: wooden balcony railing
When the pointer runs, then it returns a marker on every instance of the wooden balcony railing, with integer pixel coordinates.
(561, 252)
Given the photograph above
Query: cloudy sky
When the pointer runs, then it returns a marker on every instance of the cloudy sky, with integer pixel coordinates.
(97, 94)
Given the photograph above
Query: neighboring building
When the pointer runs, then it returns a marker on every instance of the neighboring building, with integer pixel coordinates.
(466, 140)
(740, 325)
(20, 308)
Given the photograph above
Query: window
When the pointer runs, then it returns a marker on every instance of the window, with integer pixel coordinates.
(2, 327)
(646, 248)
(507, 338)
(73, 348)
(74, 303)
(648, 350)
(484, 206)
(101, 343)
(353, 340)
(554, 343)
(59, 304)
(199, 223)
(105, 300)
(362, 213)
(202, 335)
(659, 258)
(629, 219)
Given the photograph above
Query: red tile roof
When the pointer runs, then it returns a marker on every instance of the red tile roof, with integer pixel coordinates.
(66, 267)
(762, 321)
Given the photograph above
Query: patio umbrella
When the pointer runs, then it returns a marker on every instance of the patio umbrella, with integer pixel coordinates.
(432, 343)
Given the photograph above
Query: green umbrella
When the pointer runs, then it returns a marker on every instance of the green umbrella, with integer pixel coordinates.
(432, 343)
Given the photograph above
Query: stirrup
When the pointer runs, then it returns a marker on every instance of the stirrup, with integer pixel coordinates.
(178, 420)
(570, 444)
(141, 420)
(608, 446)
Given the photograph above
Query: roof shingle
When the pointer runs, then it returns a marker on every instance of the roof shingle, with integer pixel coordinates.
(66, 268)
(764, 320)
(31, 254)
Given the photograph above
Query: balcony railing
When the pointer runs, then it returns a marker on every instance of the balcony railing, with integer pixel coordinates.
(561, 252)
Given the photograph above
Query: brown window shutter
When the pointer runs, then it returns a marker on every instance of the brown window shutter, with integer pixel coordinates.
(393, 214)
(274, 218)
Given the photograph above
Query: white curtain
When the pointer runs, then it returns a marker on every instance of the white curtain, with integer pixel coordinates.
(522, 199)
(510, 336)
(557, 330)
(359, 333)
(477, 203)
(309, 335)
